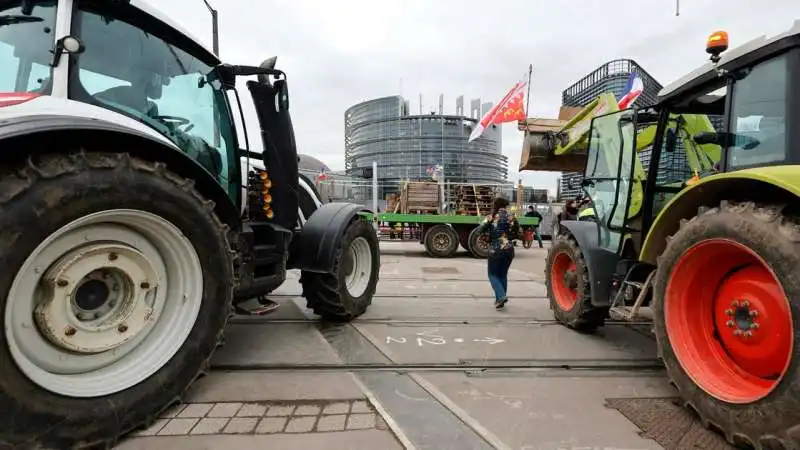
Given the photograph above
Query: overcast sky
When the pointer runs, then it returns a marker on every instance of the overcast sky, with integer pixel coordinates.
(338, 53)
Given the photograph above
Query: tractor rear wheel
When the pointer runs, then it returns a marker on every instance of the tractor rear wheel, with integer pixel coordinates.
(347, 293)
(725, 310)
(115, 289)
(568, 287)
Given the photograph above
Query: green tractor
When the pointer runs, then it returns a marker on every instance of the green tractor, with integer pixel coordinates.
(714, 250)
(135, 218)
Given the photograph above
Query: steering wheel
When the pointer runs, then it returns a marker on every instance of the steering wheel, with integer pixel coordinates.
(173, 120)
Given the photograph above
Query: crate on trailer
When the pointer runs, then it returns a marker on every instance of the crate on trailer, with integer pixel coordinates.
(420, 197)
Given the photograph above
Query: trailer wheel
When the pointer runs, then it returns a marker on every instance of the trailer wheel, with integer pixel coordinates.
(441, 241)
(568, 287)
(115, 289)
(478, 245)
(725, 310)
(347, 293)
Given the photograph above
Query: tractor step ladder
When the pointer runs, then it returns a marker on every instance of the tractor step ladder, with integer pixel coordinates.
(630, 312)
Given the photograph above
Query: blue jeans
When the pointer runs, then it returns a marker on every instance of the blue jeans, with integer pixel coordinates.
(498, 266)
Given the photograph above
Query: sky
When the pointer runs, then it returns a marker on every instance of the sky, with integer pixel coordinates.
(340, 53)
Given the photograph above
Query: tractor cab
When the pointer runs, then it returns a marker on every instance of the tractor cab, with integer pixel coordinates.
(729, 115)
(123, 63)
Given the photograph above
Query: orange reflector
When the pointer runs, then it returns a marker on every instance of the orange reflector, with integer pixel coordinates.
(270, 214)
(717, 42)
(264, 175)
(267, 184)
(267, 198)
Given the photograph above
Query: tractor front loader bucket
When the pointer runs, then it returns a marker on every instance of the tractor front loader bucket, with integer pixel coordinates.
(561, 144)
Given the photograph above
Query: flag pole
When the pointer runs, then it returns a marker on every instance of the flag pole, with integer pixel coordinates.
(528, 95)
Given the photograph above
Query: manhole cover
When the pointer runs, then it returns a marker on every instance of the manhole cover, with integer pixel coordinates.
(667, 423)
(437, 269)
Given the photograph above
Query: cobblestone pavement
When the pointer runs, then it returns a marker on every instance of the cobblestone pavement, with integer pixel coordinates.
(265, 418)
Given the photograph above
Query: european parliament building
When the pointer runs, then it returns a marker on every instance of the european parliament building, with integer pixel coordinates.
(405, 146)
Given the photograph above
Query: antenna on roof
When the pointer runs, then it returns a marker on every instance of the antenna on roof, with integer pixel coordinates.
(677, 8)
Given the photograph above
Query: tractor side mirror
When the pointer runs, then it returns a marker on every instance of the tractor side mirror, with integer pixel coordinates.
(671, 140)
(704, 138)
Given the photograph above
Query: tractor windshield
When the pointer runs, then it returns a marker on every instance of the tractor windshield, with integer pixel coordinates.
(129, 69)
(26, 39)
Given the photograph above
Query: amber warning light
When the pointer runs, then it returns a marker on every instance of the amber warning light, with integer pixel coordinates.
(716, 44)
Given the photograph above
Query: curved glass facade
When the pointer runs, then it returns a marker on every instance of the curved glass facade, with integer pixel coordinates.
(405, 146)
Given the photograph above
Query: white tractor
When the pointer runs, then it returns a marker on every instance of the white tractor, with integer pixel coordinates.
(133, 221)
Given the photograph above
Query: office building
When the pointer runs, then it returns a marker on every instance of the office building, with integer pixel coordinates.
(406, 146)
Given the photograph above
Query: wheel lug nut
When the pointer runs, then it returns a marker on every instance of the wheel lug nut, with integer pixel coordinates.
(754, 326)
(748, 334)
(728, 312)
(62, 283)
(745, 303)
(122, 328)
(737, 332)
(734, 304)
(753, 313)
(730, 324)
(145, 285)
(112, 256)
(69, 331)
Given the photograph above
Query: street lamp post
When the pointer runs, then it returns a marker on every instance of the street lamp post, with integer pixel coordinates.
(214, 28)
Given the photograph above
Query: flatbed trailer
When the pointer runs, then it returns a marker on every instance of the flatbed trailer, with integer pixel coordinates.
(441, 234)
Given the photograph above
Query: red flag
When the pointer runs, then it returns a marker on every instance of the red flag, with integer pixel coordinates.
(494, 114)
(512, 111)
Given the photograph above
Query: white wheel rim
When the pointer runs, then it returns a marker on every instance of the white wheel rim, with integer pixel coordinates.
(361, 260)
(79, 357)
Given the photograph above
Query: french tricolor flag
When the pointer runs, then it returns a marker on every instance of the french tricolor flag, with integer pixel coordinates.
(633, 90)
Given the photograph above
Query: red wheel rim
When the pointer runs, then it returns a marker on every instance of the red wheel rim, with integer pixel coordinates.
(729, 321)
(563, 269)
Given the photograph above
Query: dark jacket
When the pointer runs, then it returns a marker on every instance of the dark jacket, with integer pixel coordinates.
(502, 230)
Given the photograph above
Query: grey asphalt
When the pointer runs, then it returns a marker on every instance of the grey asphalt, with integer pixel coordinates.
(469, 377)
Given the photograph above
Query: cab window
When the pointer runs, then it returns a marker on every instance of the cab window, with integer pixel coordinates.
(154, 82)
(758, 115)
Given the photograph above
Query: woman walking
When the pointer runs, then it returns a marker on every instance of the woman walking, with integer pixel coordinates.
(502, 227)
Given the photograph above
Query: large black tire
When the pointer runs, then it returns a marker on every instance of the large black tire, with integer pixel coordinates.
(770, 422)
(327, 294)
(478, 244)
(570, 299)
(50, 191)
(441, 241)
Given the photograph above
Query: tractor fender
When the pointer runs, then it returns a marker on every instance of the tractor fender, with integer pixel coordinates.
(314, 248)
(775, 185)
(601, 263)
(47, 133)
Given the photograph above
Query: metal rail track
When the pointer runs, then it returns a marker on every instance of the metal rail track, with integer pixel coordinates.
(421, 320)
(582, 365)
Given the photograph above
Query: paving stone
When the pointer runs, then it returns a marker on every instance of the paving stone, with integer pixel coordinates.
(301, 424)
(252, 410)
(195, 410)
(153, 429)
(172, 412)
(224, 410)
(241, 425)
(360, 407)
(210, 425)
(270, 425)
(178, 427)
(360, 421)
(280, 410)
(332, 423)
(337, 408)
(307, 410)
